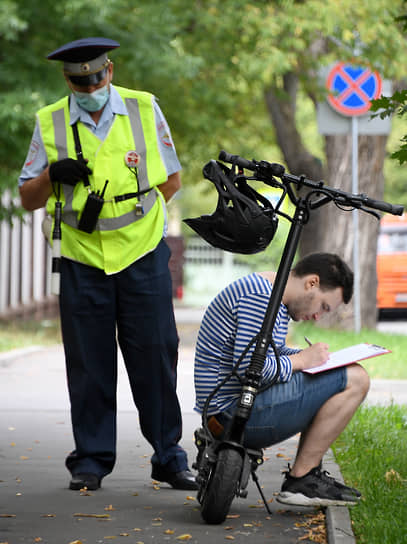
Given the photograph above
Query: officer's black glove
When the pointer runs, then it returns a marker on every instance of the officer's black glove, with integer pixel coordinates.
(68, 171)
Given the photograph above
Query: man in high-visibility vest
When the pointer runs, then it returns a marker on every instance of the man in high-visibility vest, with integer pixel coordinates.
(103, 162)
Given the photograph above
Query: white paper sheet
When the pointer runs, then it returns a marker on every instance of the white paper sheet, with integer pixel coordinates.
(349, 355)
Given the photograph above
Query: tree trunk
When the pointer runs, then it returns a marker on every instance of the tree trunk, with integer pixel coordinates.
(336, 226)
(331, 229)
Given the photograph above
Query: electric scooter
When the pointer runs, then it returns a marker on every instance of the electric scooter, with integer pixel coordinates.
(223, 464)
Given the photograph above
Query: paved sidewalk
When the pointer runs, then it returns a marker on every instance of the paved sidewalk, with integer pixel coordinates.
(36, 506)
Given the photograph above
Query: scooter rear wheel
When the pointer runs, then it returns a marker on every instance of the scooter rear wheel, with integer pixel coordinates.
(222, 486)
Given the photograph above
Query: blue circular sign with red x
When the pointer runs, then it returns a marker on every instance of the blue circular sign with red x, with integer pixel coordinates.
(351, 88)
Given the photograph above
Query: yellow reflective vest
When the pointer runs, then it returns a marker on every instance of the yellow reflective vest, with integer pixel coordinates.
(126, 229)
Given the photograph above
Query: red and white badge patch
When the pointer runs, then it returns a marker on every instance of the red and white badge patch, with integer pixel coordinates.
(32, 153)
(164, 135)
(132, 158)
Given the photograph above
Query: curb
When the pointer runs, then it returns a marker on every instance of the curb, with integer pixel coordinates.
(7, 357)
(338, 522)
(338, 525)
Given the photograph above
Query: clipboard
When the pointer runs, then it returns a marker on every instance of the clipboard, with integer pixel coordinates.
(349, 355)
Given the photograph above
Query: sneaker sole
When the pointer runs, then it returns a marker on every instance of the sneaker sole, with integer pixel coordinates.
(298, 499)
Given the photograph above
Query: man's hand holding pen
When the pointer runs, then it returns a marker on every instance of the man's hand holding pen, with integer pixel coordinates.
(314, 355)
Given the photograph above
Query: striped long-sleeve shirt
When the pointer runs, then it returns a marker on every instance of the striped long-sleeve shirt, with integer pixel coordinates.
(231, 321)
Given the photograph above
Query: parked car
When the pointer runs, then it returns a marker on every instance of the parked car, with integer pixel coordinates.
(392, 264)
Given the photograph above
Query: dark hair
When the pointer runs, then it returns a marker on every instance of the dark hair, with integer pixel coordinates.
(333, 272)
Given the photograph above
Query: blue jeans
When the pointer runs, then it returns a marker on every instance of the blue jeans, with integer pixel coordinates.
(286, 409)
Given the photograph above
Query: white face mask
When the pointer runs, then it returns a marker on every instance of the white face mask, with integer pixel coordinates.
(92, 101)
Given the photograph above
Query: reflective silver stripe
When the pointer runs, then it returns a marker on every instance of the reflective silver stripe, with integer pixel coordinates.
(138, 136)
(58, 120)
(114, 223)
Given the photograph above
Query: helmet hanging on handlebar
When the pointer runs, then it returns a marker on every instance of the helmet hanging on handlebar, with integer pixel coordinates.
(244, 220)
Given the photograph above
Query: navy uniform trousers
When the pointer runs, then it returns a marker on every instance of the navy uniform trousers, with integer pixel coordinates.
(134, 309)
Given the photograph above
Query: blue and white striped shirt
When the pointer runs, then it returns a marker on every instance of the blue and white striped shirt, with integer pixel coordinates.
(231, 321)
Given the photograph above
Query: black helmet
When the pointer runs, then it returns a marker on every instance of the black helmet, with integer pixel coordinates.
(244, 220)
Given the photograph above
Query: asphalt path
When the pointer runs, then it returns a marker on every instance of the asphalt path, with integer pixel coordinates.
(37, 506)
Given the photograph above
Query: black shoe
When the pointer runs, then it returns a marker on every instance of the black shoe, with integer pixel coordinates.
(85, 479)
(178, 480)
(316, 489)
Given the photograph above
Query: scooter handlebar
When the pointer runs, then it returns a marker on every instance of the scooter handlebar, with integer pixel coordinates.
(274, 169)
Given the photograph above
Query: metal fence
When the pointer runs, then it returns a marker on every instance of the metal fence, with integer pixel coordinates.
(25, 261)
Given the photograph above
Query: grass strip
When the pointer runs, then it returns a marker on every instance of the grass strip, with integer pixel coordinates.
(372, 455)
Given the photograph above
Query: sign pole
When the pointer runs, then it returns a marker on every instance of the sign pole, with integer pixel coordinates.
(350, 90)
(355, 217)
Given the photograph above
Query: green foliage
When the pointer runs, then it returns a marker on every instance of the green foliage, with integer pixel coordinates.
(208, 61)
(372, 456)
(393, 105)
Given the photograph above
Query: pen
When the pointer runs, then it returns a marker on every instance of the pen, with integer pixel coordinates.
(308, 341)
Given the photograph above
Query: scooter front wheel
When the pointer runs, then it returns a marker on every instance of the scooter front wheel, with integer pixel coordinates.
(222, 486)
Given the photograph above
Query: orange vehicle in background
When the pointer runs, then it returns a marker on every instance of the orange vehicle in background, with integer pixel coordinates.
(392, 264)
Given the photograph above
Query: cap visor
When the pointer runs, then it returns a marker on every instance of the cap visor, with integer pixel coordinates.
(91, 79)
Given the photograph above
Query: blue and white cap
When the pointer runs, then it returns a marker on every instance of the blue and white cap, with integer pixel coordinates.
(85, 60)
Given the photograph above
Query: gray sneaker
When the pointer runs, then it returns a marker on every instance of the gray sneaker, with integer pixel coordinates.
(316, 489)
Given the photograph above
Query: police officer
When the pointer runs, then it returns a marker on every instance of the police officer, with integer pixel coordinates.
(104, 156)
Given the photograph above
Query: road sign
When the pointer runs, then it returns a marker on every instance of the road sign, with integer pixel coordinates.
(351, 88)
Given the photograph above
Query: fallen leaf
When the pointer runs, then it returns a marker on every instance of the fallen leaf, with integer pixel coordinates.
(169, 532)
(229, 537)
(38, 539)
(124, 534)
(233, 516)
(393, 476)
(76, 542)
(110, 507)
(84, 492)
(184, 537)
(189, 498)
(7, 516)
(48, 516)
(23, 457)
(91, 515)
